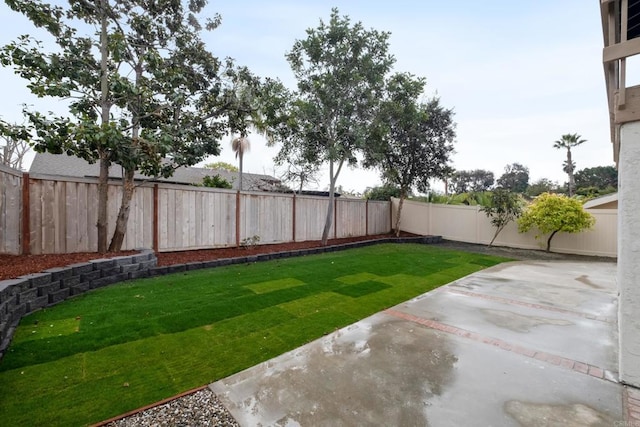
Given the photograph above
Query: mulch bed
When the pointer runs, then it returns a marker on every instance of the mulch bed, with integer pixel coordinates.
(12, 266)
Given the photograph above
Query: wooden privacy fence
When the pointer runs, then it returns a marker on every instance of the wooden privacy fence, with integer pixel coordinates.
(470, 224)
(42, 214)
(10, 210)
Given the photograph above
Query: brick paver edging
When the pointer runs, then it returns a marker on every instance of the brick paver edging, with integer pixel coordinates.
(583, 368)
(631, 407)
(26, 294)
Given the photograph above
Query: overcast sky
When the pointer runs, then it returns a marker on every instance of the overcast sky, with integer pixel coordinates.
(518, 74)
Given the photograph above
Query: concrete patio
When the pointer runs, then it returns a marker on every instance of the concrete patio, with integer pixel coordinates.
(530, 343)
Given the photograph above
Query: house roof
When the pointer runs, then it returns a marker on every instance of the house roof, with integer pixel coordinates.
(71, 166)
(608, 201)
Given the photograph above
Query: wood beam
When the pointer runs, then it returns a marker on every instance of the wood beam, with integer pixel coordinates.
(630, 112)
(621, 50)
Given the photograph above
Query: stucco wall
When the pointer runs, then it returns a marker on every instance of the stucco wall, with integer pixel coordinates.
(629, 252)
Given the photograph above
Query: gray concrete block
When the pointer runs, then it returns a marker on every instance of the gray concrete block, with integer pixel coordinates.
(211, 264)
(37, 303)
(129, 267)
(17, 312)
(4, 312)
(179, 268)
(92, 275)
(81, 268)
(48, 288)
(37, 279)
(140, 274)
(27, 295)
(9, 288)
(110, 271)
(148, 264)
(80, 288)
(57, 296)
(194, 266)
(70, 281)
(59, 273)
(141, 258)
(104, 281)
(158, 271)
(124, 260)
(100, 264)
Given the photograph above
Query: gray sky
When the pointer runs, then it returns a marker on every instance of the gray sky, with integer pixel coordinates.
(518, 74)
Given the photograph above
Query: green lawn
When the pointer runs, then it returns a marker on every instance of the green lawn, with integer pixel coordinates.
(119, 348)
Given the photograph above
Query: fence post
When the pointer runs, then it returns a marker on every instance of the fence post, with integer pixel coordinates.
(238, 218)
(335, 218)
(155, 218)
(390, 214)
(293, 234)
(26, 224)
(366, 220)
(477, 224)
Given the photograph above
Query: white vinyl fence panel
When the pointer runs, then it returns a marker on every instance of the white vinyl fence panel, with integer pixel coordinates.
(470, 224)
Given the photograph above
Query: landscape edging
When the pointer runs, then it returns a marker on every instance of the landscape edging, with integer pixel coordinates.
(32, 292)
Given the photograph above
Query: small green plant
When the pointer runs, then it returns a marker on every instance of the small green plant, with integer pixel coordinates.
(249, 242)
(504, 206)
(216, 181)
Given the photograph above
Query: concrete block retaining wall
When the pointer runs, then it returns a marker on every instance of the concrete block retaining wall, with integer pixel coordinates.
(26, 294)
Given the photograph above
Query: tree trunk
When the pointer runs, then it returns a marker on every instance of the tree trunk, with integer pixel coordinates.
(498, 230)
(103, 200)
(329, 219)
(332, 200)
(128, 188)
(103, 194)
(240, 155)
(400, 203)
(549, 241)
(572, 182)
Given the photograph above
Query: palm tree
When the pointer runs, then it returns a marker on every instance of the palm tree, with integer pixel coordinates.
(568, 141)
(240, 145)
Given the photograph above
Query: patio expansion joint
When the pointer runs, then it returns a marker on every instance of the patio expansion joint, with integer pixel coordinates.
(532, 305)
(553, 359)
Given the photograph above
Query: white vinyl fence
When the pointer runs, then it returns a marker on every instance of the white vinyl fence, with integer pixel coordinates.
(469, 224)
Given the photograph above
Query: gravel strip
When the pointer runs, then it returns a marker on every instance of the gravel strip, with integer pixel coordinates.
(201, 408)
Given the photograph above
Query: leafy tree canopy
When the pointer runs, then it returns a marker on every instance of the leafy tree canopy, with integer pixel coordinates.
(222, 166)
(340, 70)
(515, 178)
(543, 185)
(472, 180)
(413, 140)
(553, 213)
(216, 181)
(143, 90)
(384, 192)
(600, 177)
